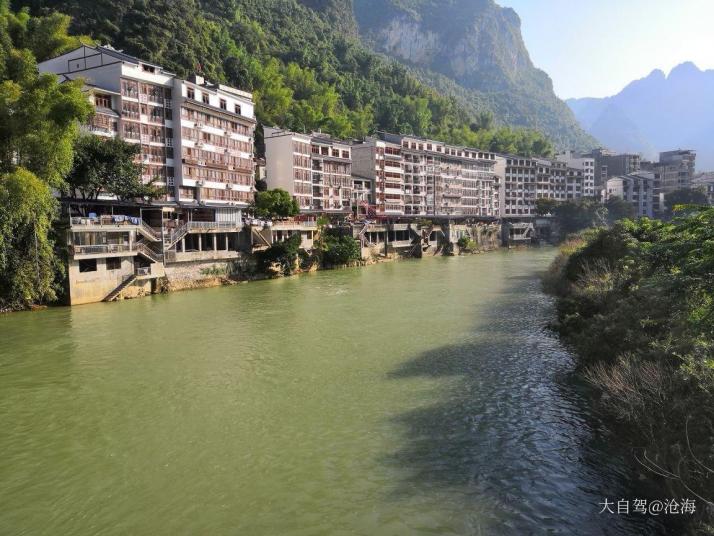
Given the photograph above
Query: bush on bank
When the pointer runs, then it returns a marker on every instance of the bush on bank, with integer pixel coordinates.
(636, 302)
(337, 248)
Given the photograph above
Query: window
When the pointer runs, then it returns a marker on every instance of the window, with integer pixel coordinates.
(224, 104)
(237, 109)
(205, 98)
(147, 68)
(102, 101)
(87, 265)
(113, 263)
(190, 93)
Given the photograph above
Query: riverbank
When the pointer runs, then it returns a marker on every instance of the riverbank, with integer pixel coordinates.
(635, 302)
(210, 275)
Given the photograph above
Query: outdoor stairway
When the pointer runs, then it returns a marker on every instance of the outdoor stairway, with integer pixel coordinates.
(256, 233)
(172, 236)
(149, 232)
(114, 294)
(363, 235)
(149, 253)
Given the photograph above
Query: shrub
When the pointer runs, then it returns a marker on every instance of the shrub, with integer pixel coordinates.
(284, 253)
(338, 248)
(636, 302)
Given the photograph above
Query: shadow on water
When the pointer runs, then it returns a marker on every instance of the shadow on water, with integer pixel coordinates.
(510, 436)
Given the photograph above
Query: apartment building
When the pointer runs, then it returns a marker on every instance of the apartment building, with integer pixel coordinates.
(215, 143)
(609, 164)
(446, 180)
(675, 170)
(314, 168)
(527, 179)
(584, 164)
(378, 176)
(635, 188)
(196, 138)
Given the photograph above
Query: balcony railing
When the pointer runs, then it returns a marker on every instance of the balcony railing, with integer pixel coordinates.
(106, 221)
(99, 249)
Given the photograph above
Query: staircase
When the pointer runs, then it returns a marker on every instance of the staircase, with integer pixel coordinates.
(363, 235)
(149, 253)
(174, 235)
(425, 235)
(149, 232)
(114, 294)
(255, 233)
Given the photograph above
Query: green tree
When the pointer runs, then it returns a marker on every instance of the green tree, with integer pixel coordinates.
(284, 254)
(338, 248)
(575, 215)
(683, 198)
(275, 203)
(39, 120)
(619, 209)
(107, 166)
(27, 260)
(545, 206)
(636, 302)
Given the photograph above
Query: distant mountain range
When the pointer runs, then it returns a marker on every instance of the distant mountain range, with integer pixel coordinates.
(656, 113)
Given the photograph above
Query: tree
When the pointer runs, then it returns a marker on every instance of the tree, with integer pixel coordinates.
(619, 209)
(545, 206)
(39, 121)
(484, 121)
(338, 248)
(275, 203)
(575, 215)
(107, 166)
(284, 254)
(682, 198)
(27, 260)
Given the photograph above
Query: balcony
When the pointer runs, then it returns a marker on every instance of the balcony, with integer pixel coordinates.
(102, 249)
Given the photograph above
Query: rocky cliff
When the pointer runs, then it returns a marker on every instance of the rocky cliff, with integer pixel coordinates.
(472, 49)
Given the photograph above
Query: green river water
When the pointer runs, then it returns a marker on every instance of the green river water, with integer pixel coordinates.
(419, 397)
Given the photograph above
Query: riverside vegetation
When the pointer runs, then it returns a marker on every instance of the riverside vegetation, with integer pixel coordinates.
(636, 302)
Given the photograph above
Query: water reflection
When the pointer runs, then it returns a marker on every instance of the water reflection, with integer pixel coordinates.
(511, 435)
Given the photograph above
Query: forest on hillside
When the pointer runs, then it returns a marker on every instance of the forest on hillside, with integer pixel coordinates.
(307, 72)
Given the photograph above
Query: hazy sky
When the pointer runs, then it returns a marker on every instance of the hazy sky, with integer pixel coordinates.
(593, 48)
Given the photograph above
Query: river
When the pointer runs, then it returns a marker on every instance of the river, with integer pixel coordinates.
(419, 397)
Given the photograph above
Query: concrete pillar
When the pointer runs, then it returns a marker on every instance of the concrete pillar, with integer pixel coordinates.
(215, 243)
(200, 242)
(227, 236)
(183, 245)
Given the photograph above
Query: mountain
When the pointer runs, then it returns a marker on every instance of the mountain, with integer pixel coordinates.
(317, 64)
(474, 51)
(656, 113)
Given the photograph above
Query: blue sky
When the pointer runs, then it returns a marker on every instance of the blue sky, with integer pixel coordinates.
(593, 48)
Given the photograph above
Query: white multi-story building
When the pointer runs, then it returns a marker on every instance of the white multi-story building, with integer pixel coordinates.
(377, 166)
(585, 164)
(196, 138)
(313, 168)
(444, 180)
(527, 179)
(636, 188)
